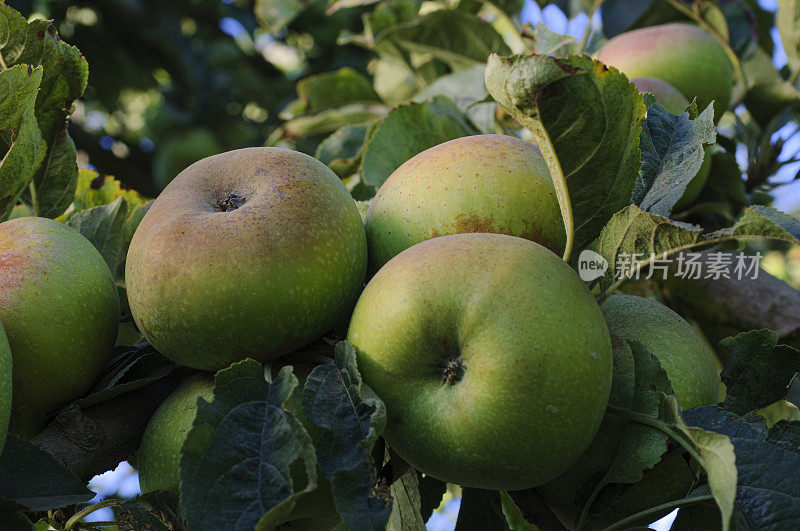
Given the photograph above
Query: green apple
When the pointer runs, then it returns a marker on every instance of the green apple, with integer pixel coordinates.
(5, 386)
(482, 183)
(683, 354)
(672, 100)
(60, 309)
(159, 452)
(683, 55)
(491, 356)
(250, 253)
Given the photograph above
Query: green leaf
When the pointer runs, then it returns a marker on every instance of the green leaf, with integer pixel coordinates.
(238, 459)
(104, 227)
(672, 153)
(341, 151)
(94, 189)
(514, 517)
(706, 515)
(129, 368)
(275, 15)
(334, 89)
(406, 504)
(717, 454)
(17, 521)
(481, 510)
(431, 492)
(408, 130)
(768, 464)
(330, 120)
(351, 417)
(759, 371)
(586, 120)
(25, 147)
(633, 239)
(31, 478)
(468, 91)
(64, 78)
(336, 5)
(768, 93)
(457, 38)
(140, 514)
(540, 39)
(788, 23)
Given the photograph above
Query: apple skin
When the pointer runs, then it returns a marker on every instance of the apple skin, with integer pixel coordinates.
(209, 287)
(491, 356)
(682, 353)
(5, 386)
(160, 449)
(60, 309)
(685, 56)
(672, 100)
(481, 183)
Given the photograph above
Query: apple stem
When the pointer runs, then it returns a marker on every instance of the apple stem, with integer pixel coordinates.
(231, 202)
(453, 371)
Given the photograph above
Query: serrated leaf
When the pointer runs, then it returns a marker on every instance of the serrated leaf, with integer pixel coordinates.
(237, 460)
(406, 504)
(586, 120)
(431, 492)
(408, 130)
(759, 371)
(31, 478)
(481, 510)
(642, 446)
(672, 153)
(459, 39)
(768, 464)
(25, 147)
(64, 78)
(351, 417)
(633, 239)
(94, 190)
(104, 226)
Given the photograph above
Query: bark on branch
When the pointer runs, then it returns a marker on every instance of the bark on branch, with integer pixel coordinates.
(728, 306)
(98, 438)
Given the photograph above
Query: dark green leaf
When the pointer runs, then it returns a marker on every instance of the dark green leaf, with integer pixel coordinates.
(104, 227)
(586, 121)
(406, 514)
(16, 521)
(351, 417)
(23, 144)
(672, 153)
(237, 460)
(759, 371)
(768, 463)
(468, 91)
(32, 478)
(431, 492)
(334, 89)
(481, 510)
(275, 15)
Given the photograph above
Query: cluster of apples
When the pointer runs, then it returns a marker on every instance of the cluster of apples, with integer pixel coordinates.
(493, 359)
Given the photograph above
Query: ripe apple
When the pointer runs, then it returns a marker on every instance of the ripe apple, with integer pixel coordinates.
(250, 253)
(672, 100)
(491, 356)
(5, 386)
(60, 309)
(481, 183)
(683, 55)
(159, 452)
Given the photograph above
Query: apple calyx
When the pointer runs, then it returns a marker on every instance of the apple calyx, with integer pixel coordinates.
(452, 371)
(231, 202)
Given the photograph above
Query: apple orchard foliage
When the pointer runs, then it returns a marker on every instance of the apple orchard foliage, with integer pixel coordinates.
(619, 161)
